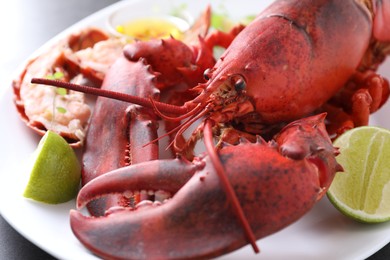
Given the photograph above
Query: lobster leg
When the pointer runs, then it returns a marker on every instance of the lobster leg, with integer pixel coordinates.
(223, 39)
(275, 183)
(118, 129)
(364, 94)
(369, 98)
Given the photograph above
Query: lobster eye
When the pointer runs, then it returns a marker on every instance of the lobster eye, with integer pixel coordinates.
(207, 74)
(238, 82)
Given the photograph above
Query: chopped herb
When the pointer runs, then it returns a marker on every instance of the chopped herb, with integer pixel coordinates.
(61, 91)
(61, 110)
(222, 22)
(58, 75)
(55, 75)
(217, 21)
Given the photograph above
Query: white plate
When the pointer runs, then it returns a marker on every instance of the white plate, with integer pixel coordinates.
(322, 234)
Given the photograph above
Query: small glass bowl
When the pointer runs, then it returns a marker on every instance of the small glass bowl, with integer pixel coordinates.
(181, 21)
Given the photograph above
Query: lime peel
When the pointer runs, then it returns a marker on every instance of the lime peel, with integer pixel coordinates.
(362, 192)
(360, 215)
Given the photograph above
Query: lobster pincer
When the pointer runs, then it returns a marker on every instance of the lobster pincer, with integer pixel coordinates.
(118, 129)
(275, 182)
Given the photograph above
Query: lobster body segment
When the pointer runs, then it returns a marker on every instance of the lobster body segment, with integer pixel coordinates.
(274, 191)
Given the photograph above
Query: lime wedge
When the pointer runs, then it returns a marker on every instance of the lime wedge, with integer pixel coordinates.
(362, 192)
(55, 174)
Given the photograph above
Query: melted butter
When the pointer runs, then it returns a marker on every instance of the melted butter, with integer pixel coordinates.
(150, 28)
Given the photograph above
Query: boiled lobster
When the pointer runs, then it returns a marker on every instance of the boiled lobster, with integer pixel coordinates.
(294, 60)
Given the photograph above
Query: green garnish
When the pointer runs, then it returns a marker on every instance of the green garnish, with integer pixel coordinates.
(56, 75)
(61, 110)
(61, 91)
(218, 21)
(221, 21)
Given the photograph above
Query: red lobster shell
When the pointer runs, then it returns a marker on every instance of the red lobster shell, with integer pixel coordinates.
(276, 183)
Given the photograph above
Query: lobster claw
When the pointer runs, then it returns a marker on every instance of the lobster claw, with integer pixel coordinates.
(197, 222)
(308, 138)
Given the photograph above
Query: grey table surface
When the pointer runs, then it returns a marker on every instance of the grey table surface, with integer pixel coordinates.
(25, 25)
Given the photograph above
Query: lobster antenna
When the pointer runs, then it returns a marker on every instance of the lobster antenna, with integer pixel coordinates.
(145, 102)
(229, 191)
(178, 118)
(177, 129)
(183, 127)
